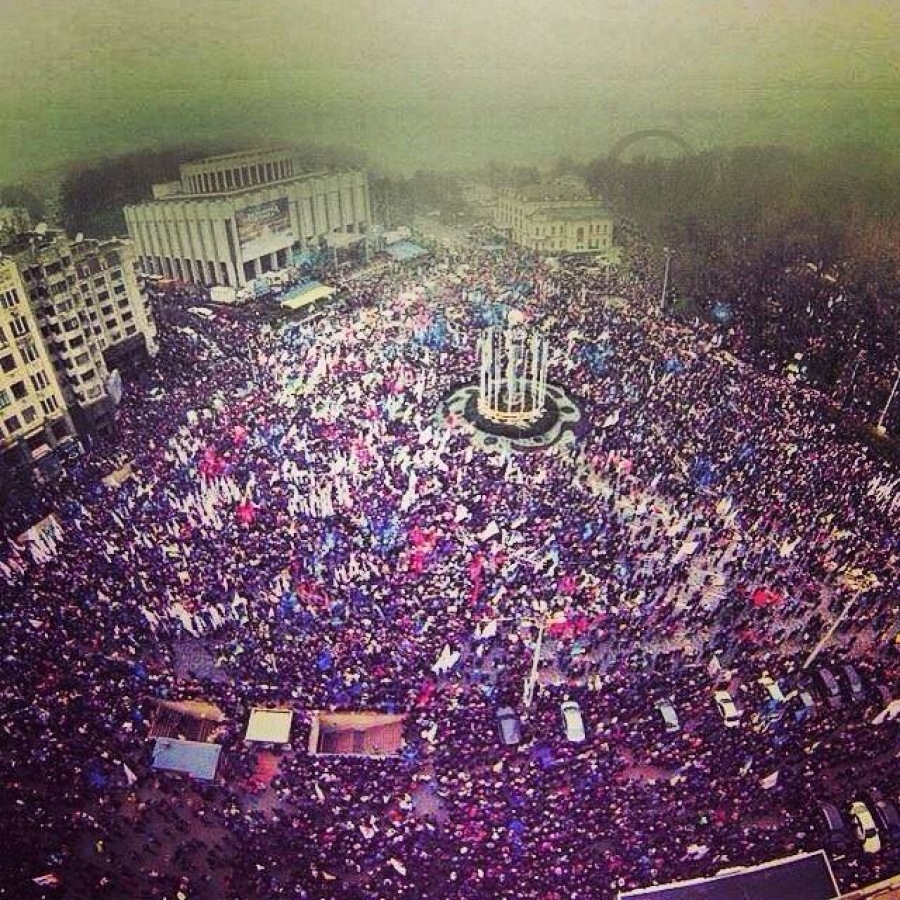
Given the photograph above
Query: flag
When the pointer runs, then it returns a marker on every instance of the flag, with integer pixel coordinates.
(397, 865)
(488, 532)
(48, 880)
(611, 419)
(769, 781)
(489, 631)
(130, 777)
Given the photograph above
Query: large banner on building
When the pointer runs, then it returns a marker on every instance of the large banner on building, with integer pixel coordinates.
(264, 228)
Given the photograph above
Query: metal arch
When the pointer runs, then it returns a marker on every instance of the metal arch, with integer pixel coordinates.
(635, 137)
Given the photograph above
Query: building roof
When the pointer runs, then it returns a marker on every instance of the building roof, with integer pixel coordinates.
(269, 725)
(806, 876)
(194, 758)
(580, 213)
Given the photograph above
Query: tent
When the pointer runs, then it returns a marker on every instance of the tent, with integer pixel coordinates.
(194, 758)
(372, 734)
(405, 250)
(271, 726)
(194, 719)
(303, 295)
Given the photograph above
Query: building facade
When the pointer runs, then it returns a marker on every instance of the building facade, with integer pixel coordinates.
(33, 411)
(230, 218)
(554, 224)
(13, 219)
(91, 318)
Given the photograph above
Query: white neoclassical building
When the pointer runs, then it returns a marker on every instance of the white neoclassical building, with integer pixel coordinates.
(230, 218)
(554, 219)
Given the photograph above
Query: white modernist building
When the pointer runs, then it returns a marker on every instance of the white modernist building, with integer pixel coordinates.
(229, 219)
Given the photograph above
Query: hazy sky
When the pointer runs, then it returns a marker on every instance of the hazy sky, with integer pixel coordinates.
(416, 83)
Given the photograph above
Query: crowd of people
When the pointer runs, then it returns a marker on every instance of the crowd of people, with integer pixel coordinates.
(294, 507)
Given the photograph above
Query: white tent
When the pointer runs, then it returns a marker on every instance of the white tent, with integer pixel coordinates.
(271, 726)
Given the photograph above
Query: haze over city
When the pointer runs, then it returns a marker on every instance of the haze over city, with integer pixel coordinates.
(421, 84)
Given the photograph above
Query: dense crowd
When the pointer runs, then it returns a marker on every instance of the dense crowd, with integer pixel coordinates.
(296, 507)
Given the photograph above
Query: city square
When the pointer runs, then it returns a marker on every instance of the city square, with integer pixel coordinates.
(502, 532)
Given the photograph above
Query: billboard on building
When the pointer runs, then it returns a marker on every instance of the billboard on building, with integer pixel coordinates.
(264, 228)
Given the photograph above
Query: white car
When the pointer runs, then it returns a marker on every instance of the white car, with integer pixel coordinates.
(865, 827)
(727, 710)
(573, 724)
(669, 716)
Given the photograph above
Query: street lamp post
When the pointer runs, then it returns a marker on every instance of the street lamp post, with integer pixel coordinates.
(531, 681)
(665, 286)
(834, 627)
(880, 427)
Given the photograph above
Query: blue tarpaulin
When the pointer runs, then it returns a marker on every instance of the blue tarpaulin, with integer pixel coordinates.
(194, 758)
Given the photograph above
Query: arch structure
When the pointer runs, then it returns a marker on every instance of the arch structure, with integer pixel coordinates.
(636, 137)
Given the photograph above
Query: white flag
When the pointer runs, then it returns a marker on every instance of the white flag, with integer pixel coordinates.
(489, 631)
(488, 532)
(769, 781)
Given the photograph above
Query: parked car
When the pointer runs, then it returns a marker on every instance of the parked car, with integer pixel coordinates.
(573, 724)
(884, 812)
(669, 716)
(730, 714)
(833, 826)
(509, 726)
(772, 689)
(802, 703)
(853, 683)
(864, 825)
(829, 688)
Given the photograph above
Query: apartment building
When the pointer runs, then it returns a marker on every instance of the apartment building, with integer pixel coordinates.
(33, 411)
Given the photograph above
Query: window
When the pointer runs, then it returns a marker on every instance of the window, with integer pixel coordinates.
(19, 391)
(12, 424)
(40, 380)
(29, 415)
(48, 404)
(19, 327)
(82, 359)
(76, 342)
(4, 399)
(7, 363)
(9, 299)
(28, 351)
